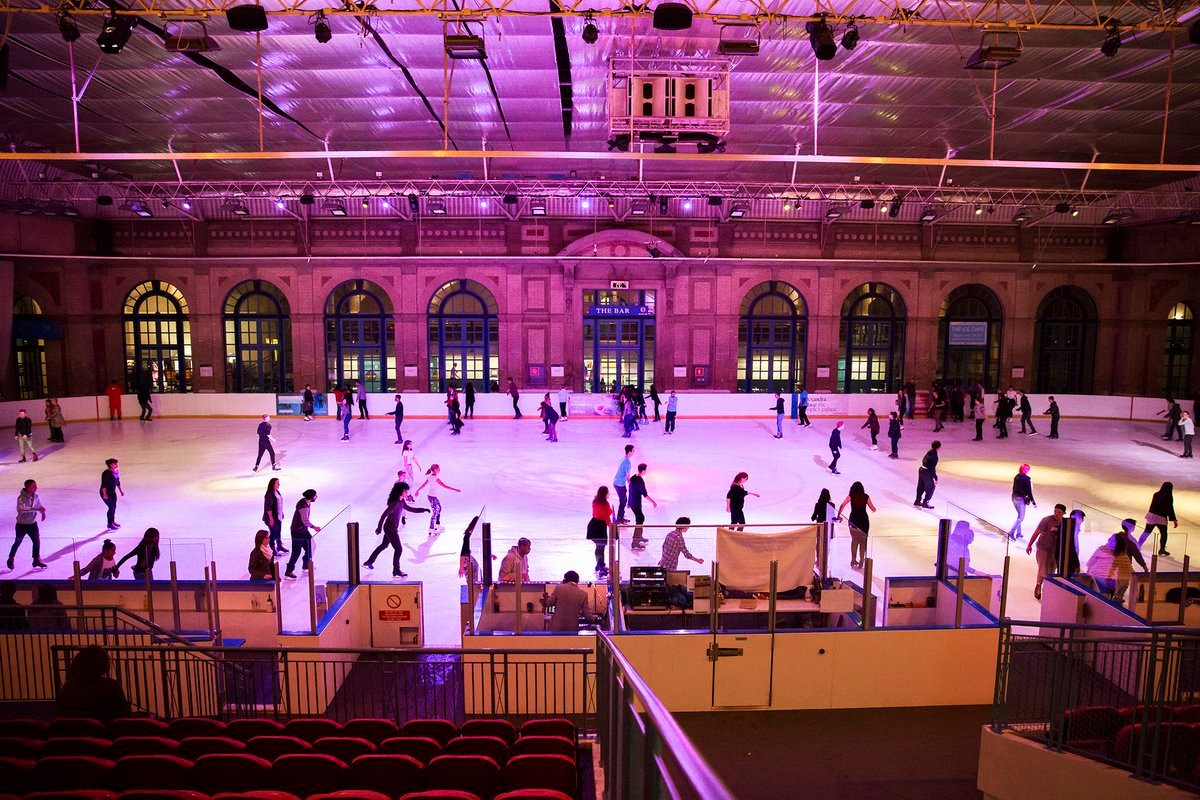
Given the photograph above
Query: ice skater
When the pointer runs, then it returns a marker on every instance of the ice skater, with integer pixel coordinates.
(674, 545)
(104, 566)
(113, 392)
(564, 394)
(1188, 426)
(308, 403)
(979, 412)
(938, 410)
(1022, 496)
(432, 487)
(29, 505)
(1026, 414)
(901, 404)
(872, 424)
(551, 418)
(823, 510)
(1045, 539)
(266, 443)
(637, 490)
(398, 414)
(597, 527)
(302, 529)
(672, 411)
(927, 476)
(361, 391)
(1162, 511)
(110, 487)
(1173, 413)
(273, 516)
(469, 395)
(456, 420)
(389, 526)
(347, 409)
(143, 398)
(621, 483)
(735, 500)
(895, 429)
(144, 554)
(1054, 416)
(23, 433)
(55, 421)
(778, 409)
(516, 397)
(654, 398)
(802, 418)
(860, 522)
(835, 446)
(410, 467)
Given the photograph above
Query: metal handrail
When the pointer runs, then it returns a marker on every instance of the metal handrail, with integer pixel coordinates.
(1131, 629)
(691, 763)
(407, 651)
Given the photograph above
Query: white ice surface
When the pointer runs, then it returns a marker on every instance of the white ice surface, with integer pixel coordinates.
(192, 479)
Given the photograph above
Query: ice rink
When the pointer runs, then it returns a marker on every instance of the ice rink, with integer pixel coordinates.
(192, 479)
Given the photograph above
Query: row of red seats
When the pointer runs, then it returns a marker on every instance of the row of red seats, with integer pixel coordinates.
(1109, 732)
(1095, 727)
(345, 748)
(308, 729)
(347, 794)
(301, 775)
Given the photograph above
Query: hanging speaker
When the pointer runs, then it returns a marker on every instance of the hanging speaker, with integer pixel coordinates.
(247, 18)
(672, 17)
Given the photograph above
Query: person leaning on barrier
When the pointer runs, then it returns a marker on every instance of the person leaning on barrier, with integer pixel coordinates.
(262, 558)
(88, 692)
(570, 603)
(515, 566)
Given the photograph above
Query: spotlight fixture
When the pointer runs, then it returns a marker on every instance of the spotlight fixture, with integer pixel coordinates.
(672, 17)
(1112, 37)
(739, 210)
(1074, 212)
(585, 204)
(1113, 217)
(115, 32)
(1188, 218)
(366, 203)
(590, 32)
(820, 36)
(66, 26)
(929, 214)
(104, 200)
(834, 212)
(186, 205)
(537, 207)
(850, 37)
(867, 204)
(247, 18)
(236, 207)
(638, 208)
(166, 203)
(436, 207)
(664, 206)
(336, 208)
(1062, 208)
(464, 47)
(387, 203)
(307, 200)
(280, 205)
(483, 202)
(321, 29)
(69, 210)
(687, 204)
(997, 49)
(139, 208)
(510, 199)
(1022, 216)
(787, 206)
(978, 209)
(893, 209)
(414, 203)
(739, 46)
(715, 200)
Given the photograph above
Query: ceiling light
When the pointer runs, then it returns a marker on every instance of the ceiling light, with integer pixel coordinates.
(414, 203)
(366, 203)
(464, 47)
(66, 26)
(115, 33)
(1074, 212)
(850, 37)
(978, 209)
(687, 204)
(436, 207)
(1023, 215)
(834, 211)
(664, 206)
(787, 205)
(1112, 38)
(335, 208)
(929, 214)
(585, 204)
(483, 203)
(590, 32)
(235, 206)
(893, 209)
(672, 17)
(738, 46)
(387, 203)
(69, 210)
(185, 205)
(250, 19)
(280, 205)
(1112, 217)
(638, 208)
(997, 49)
(739, 210)
(1188, 218)
(141, 209)
(537, 207)
(26, 207)
(820, 36)
(321, 29)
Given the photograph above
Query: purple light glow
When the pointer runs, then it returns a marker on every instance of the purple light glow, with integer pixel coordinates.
(483, 203)
(187, 206)
(687, 205)
(586, 204)
(279, 204)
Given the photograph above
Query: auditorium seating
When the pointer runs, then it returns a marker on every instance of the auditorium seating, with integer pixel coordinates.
(1117, 734)
(318, 759)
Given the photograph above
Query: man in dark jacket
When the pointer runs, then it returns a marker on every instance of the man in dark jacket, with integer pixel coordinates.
(23, 433)
(265, 443)
(1022, 496)
(835, 446)
(110, 487)
(894, 429)
(927, 476)
(1027, 415)
(398, 413)
(1054, 414)
(778, 409)
(143, 398)
(301, 537)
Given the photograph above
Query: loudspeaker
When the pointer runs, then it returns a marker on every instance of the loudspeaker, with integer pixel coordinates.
(672, 17)
(1194, 33)
(247, 18)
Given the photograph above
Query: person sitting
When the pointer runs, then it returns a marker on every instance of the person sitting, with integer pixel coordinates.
(570, 603)
(262, 562)
(88, 692)
(12, 613)
(515, 566)
(47, 613)
(104, 566)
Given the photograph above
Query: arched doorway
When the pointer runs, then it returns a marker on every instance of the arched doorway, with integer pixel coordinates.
(1177, 359)
(872, 340)
(158, 338)
(257, 339)
(1066, 341)
(464, 335)
(772, 338)
(970, 324)
(618, 338)
(29, 349)
(360, 337)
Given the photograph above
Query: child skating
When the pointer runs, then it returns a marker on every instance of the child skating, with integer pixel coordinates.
(432, 487)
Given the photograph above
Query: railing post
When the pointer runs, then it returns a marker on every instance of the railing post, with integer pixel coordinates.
(1150, 587)
(485, 556)
(354, 576)
(149, 595)
(175, 617)
(472, 597)
(943, 548)
(77, 580)
(614, 575)
(518, 603)
(1183, 583)
(1004, 586)
(208, 601)
(312, 597)
(868, 606)
(278, 599)
(962, 563)
(216, 601)
(1066, 547)
(826, 535)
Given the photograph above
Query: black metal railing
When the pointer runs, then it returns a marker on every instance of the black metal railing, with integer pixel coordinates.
(1128, 696)
(342, 684)
(646, 755)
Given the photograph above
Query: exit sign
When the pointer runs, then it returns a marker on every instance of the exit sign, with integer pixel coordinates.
(618, 284)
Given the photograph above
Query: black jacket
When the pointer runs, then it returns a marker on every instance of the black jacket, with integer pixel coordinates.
(835, 440)
(929, 462)
(1023, 487)
(893, 428)
(1163, 504)
(24, 426)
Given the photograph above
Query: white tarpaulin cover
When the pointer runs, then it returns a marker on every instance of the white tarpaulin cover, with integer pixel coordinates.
(746, 557)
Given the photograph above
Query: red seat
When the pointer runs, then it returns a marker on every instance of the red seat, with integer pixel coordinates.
(1189, 714)
(493, 747)
(490, 727)
(15, 774)
(373, 730)
(73, 726)
(352, 794)
(440, 730)
(76, 746)
(153, 772)
(1092, 727)
(20, 747)
(541, 772)
(389, 774)
(23, 728)
(180, 729)
(543, 746)
(163, 794)
(246, 729)
(312, 729)
(261, 794)
(136, 726)
(78, 794)
(343, 748)
(272, 747)
(422, 748)
(440, 794)
(309, 773)
(144, 746)
(1141, 713)
(1175, 750)
(195, 746)
(71, 772)
(550, 727)
(478, 775)
(231, 772)
(533, 794)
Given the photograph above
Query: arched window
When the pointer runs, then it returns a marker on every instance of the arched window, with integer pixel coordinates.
(1177, 360)
(464, 334)
(969, 326)
(360, 337)
(1066, 341)
(257, 339)
(29, 349)
(872, 340)
(158, 339)
(772, 338)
